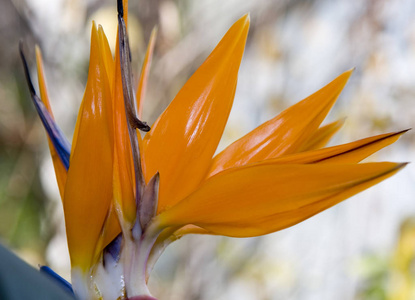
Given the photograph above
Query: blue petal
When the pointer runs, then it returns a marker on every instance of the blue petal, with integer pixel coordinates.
(114, 249)
(59, 141)
(62, 282)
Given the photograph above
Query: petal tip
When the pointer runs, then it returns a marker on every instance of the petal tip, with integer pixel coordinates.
(94, 25)
(243, 23)
(349, 73)
(37, 49)
(246, 19)
(400, 132)
(155, 30)
(342, 121)
(397, 167)
(401, 165)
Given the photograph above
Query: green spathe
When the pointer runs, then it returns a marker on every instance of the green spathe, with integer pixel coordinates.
(19, 281)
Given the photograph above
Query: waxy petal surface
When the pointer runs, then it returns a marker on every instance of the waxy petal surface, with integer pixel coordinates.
(88, 191)
(248, 201)
(112, 226)
(60, 168)
(285, 133)
(107, 56)
(183, 140)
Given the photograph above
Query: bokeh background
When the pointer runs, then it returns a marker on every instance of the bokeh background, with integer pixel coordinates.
(363, 248)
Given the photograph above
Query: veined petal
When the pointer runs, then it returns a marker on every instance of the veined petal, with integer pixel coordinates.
(322, 136)
(88, 191)
(259, 199)
(283, 134)
(60, 168)
(142, 83)
(183, 140)
(353, 152)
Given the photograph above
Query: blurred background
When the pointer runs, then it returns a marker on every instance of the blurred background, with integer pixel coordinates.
(363, 248)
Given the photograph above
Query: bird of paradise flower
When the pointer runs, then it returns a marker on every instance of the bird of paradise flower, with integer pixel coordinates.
(127, 197)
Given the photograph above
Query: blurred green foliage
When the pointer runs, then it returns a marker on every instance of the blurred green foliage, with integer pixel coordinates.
(391, 277)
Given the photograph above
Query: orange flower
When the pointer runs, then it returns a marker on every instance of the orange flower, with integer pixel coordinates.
(155, 189)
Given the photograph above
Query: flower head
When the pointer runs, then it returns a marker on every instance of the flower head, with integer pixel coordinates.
(126, 197)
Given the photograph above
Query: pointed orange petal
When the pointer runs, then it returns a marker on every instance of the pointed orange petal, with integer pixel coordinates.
(142, 83)
(125, 8)
(249, 201)
(347, 153)
(107, 56)
(76, 131)
(290, 218)
(60, 170)
(283, 134)
(112, 226)
(123, 184)
(322, 136)
(88, 191)
(184, 138)
(42, 81)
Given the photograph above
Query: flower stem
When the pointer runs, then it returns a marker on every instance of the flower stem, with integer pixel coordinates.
(136, 259)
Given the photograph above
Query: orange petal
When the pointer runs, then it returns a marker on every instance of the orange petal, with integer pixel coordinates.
(283, 134)
(123, 181)
(259, 199)
(107, 56)
(125, 8)
(60, 170)
(184, 138)
(88, 191)
(112, 225)
(142, 83)
(347, 153)
(76, 131)
(110, 230)
(42, 82)
(322, 136)
(190, 229)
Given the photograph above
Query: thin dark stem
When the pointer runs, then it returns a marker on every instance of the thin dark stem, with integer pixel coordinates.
(130, 111)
